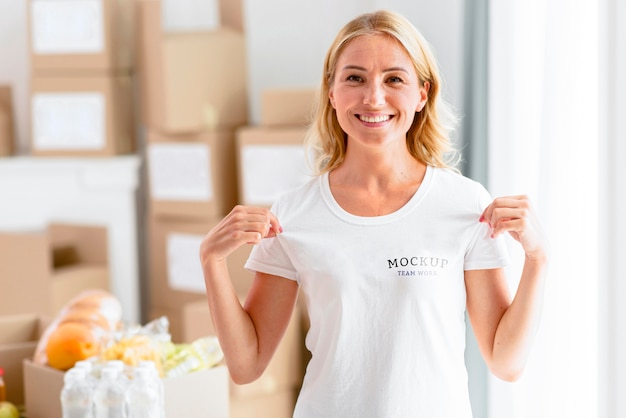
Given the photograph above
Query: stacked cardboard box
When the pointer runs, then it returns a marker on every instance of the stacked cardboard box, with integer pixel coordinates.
(7, 144)
(190, 117)
(81, 81)
(271, 156)
(196, 129)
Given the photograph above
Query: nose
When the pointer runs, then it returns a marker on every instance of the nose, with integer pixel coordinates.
(374, 95)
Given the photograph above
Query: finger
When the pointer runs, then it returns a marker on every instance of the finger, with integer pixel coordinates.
(501, 208)
(513, 226)
(267, 225)
(265, 222)
(275, 226)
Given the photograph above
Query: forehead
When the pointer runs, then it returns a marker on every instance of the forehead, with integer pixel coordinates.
(373, 50)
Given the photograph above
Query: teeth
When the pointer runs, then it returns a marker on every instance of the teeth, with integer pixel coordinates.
(374, 119)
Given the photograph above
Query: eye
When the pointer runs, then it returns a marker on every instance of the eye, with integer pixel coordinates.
(395, 79)
(355, 78)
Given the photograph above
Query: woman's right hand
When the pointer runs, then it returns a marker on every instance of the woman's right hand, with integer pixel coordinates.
(243, 225)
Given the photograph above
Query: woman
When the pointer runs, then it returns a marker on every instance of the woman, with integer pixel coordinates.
(389, 244)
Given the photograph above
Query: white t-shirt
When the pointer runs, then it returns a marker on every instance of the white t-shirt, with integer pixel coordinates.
(385, 296)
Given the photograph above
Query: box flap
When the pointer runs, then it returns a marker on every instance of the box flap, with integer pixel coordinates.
(19, 328)
(24, 267)
(72, 244)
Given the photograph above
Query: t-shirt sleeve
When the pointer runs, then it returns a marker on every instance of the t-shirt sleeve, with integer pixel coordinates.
(269, 256)
(485, 252)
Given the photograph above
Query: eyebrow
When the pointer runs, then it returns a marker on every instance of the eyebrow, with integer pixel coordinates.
(356, 67)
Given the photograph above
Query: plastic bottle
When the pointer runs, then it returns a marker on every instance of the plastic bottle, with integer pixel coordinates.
(144, 397)
(109, 397)
(87, 366)
(150, 365)
(76, 396)
(120, 366)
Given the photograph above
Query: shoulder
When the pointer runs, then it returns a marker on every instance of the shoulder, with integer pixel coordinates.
(300, 195)
(460, 188)
(453, 177)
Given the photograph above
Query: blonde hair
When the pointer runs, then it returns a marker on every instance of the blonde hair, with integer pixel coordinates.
(428, 138)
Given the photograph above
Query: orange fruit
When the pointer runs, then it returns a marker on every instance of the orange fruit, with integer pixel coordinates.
(69, 343)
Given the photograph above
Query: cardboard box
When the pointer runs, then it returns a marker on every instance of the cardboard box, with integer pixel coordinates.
(18, 341)
(40, 271)
(284, 370)
(203, 394)
(82, 116)
(190, 15)
(270, 162)
(175, 271)
(193, 175)
(175, 318)
(189, 82)
(287, 106)
(7, 141)
(279, 404)
(82, 36)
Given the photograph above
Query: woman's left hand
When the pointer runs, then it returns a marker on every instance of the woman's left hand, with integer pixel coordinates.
(515, 215)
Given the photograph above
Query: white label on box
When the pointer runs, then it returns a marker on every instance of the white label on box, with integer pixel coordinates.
(184, 271)
(270, 170)
(190, 15)
(67, 26)
(68, 121)
(180, 172)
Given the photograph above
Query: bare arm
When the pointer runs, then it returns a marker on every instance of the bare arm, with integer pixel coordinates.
(505, 328)
(248, 334)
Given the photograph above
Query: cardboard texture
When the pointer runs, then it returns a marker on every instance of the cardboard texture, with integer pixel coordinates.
(81, 116)
(284, 371)
(175, 318)
(203, 394)
(7, 140)
(86, 36)
(18, 341)
(287, 106)
(175, 271)
(192, 176)
(270, 161)
(181, 76)
(40, 271)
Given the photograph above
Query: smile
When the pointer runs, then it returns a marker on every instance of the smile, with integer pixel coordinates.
(374, 119)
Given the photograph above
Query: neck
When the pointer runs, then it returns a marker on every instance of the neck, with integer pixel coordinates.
(378, 170)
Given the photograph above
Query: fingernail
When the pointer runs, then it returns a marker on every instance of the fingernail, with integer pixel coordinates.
(482, 218)
(280, 229)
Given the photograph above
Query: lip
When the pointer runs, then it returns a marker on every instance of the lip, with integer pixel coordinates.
(373, 118)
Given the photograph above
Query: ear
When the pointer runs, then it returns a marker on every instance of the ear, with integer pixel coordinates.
(331, 97)
(424, 89)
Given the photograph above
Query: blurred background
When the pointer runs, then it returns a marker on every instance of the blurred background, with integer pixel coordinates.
(148, 118)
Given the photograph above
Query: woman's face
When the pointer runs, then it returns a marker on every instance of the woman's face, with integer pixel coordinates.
(376, 91)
